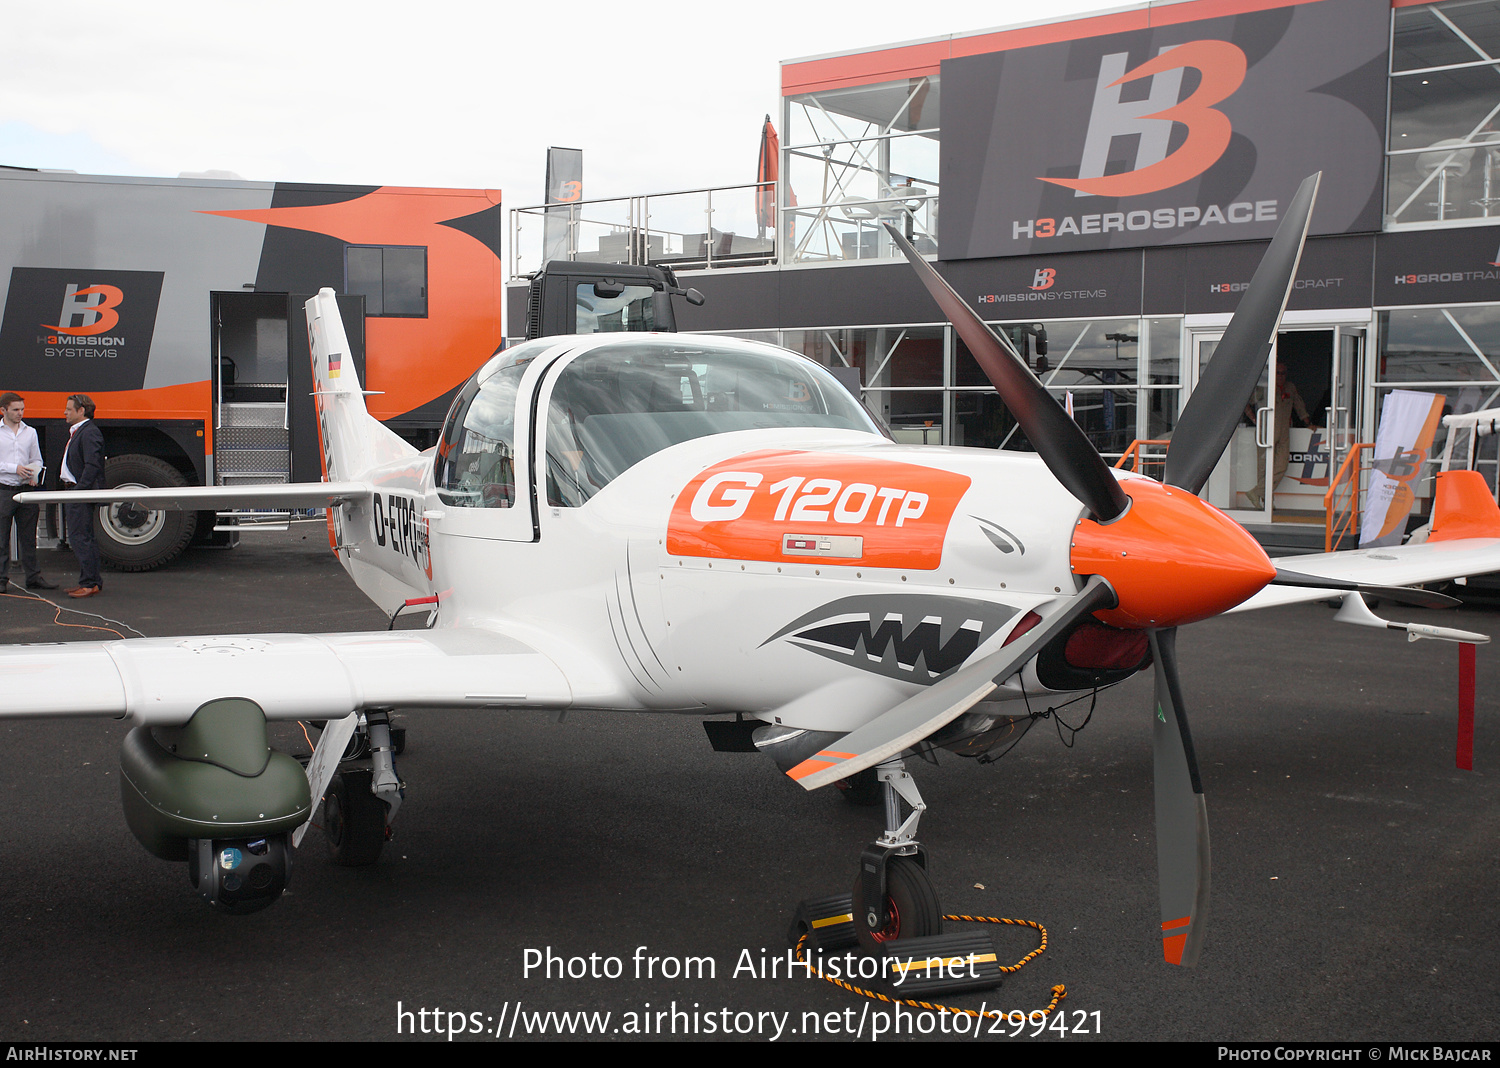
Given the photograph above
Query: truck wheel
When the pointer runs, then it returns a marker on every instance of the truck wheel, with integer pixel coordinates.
(132, 538)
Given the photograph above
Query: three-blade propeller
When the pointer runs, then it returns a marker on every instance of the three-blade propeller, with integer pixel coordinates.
(1203, 431)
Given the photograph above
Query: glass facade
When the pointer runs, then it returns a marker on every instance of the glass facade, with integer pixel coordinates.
(860, 156)
(1443, 162)
(1451, 351)
(1124, 377)
(855, 159)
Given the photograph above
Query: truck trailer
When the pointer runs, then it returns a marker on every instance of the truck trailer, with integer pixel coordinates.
(176, 304)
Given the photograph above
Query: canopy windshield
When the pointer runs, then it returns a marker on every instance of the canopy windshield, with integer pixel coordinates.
(618, 404)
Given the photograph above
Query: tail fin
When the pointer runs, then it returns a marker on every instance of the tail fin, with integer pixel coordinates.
(1464, 508)
(352, 440)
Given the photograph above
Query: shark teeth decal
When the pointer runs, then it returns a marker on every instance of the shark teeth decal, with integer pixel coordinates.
(916, 638)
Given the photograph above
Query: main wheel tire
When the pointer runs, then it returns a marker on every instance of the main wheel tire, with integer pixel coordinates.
(131, 538)
(910, 900)
(353, 820)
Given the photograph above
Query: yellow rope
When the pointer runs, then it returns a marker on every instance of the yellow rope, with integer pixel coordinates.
(1058, 992)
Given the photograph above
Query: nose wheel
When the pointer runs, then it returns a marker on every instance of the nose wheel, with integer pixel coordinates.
(911, 905)
(893, 897)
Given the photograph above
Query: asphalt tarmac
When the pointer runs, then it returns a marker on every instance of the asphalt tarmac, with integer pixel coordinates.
(1354, 868)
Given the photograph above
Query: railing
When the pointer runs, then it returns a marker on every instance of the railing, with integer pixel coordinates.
(851, 229)
(1477, 425)
(838, 191)
(723, 226)
(1137, 460)
(1341, 509)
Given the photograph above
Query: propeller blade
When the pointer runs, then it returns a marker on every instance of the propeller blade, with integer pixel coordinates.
(1182, 856)
(1062, 446)
(1212, 412)
(1406, 595)
(920, 715)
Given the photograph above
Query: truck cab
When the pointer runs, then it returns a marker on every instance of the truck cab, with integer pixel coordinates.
(577, 297)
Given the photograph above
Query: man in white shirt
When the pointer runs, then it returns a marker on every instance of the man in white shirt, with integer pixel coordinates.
(20, 468)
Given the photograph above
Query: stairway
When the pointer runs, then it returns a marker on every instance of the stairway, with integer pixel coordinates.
(251, 444)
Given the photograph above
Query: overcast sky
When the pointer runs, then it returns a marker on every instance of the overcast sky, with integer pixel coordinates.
(442, 93)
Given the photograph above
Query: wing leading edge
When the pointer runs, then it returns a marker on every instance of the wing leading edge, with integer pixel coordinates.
(1403, 565)
(163, 681)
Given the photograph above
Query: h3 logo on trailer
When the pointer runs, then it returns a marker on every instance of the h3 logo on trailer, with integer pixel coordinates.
(94, 306)
(78, 329)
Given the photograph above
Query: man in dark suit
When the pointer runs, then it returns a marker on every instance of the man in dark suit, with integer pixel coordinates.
(83, 468)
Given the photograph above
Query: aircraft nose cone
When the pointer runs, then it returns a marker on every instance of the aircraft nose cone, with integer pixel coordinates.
(1172, 558)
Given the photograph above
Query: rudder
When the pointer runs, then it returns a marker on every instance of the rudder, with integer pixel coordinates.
(350, 440)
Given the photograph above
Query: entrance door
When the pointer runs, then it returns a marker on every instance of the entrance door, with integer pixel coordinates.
(1300, 424)
(1245, 463)
(1345, 412)
(250, 389)
(1301, 433)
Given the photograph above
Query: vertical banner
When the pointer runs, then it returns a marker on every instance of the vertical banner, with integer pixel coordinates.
(766, 170)
(1408, 421)
(564, 187)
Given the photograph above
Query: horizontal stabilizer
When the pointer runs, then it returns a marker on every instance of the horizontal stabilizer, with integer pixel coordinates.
(213, 498)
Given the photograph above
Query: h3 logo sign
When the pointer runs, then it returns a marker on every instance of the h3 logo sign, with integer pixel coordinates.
(1044, 278)
(1221, 66)
(1403, 466)
(88, 310)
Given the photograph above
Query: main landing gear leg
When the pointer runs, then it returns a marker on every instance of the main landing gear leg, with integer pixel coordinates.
(360, 804)
(893, 898)
(386, 784)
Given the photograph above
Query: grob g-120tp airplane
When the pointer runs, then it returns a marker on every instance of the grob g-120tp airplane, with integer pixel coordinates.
(702, 525)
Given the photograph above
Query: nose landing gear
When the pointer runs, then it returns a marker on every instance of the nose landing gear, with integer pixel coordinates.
(894, 916)
(893, 897)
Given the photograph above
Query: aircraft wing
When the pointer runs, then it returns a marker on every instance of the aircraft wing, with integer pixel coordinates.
(290, 676)
(1403, 565)
(195, 498)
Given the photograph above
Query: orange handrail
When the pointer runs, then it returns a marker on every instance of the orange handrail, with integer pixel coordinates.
(1340, 521)
(1133, 453)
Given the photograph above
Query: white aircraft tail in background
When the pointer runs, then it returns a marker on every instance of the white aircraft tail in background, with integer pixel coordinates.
(352, 440)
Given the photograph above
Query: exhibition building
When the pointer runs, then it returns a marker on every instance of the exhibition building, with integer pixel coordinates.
(1101, 189)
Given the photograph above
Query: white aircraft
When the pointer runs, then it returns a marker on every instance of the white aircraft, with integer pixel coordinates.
(701, 525)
